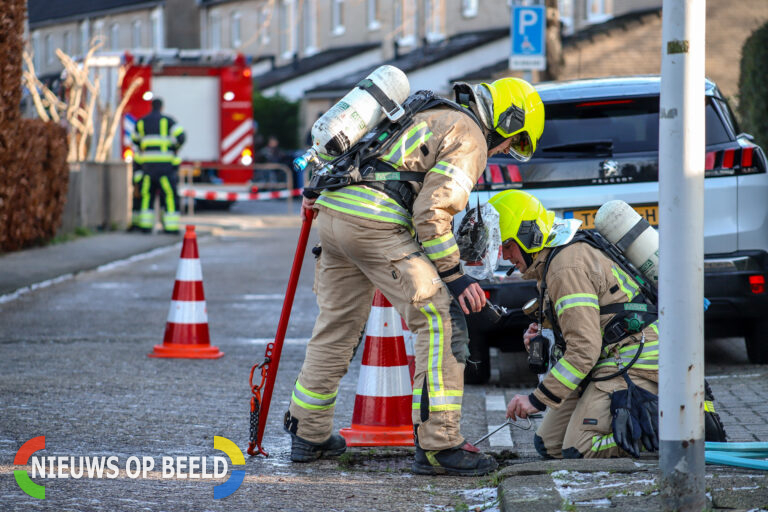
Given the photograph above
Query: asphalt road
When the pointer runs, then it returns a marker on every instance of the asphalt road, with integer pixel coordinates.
(74, 368)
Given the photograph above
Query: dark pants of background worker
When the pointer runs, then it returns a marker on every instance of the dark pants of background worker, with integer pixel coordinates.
(151, 180)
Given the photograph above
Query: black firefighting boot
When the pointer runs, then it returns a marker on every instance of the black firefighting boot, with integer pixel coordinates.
(463, 460)
(307, 451)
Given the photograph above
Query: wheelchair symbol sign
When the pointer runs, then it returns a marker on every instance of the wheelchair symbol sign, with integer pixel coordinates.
(527, 34)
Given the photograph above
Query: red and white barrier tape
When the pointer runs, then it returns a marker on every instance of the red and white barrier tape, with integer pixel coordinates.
(212, 195)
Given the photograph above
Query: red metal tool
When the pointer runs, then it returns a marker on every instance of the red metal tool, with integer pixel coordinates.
(260, 401)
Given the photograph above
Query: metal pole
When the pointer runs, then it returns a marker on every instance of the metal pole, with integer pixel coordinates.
(681, 278)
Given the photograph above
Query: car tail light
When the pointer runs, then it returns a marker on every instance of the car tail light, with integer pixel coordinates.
(128, 155)
(487, 294)
(757, 283)
(746, 157)
(728, 155)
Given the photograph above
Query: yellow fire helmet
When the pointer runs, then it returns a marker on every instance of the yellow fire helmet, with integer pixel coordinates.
(517, 109)
(524, 219)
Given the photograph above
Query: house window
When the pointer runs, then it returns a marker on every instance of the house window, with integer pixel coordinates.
(469, 8)
(288, 28)
(373, 15)
(98, 30)
(49, 49)
(596, 11)
(309, 8)
(566, 15)
(337, 17)
(265, 19)
(433, 20)
(36, 60)
(66, 45)
(234, 30)
(405, 22)
(158, 36)
(136, 34)
(214, 31)
(114, 37)
(85, 37)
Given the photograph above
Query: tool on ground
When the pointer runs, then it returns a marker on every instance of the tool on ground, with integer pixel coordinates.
(508, 422)
(262, 393)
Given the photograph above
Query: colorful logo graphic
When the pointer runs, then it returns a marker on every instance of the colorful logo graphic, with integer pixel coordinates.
(21, 459)
(234, 481)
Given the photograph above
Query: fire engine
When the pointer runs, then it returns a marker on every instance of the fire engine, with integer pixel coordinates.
(210, 95)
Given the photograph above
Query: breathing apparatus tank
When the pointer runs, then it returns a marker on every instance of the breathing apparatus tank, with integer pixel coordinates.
(378, 95)
(632, 234)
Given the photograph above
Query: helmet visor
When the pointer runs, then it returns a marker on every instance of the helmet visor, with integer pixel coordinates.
(522, 149)
(510, 121)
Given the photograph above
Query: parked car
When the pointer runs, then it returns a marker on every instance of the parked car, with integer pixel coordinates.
(600, 143)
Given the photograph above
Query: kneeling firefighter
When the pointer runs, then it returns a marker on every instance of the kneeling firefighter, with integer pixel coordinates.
(602, 379)
(389, 227)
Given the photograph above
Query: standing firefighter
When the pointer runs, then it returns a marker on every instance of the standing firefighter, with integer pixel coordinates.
(396, 236)
(158, 139)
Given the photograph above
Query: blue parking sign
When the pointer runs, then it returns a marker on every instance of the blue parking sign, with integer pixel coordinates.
(527, 28)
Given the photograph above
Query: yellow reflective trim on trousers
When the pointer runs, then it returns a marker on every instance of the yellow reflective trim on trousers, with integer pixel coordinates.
(145, 182)
(435, 365)
(574, 300)
(170, 200)
(319, 396)
(305, 405)
(447, 407)
(600, 443)
(709, 406)
(157, 158)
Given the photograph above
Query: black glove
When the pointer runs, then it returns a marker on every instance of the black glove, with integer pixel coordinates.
(646, 408)
(626, 432)
(626, 427)
(459, 285)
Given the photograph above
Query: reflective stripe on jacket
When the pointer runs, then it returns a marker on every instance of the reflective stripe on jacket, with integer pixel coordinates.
(580, 280)
(158, 139)
(450, 148)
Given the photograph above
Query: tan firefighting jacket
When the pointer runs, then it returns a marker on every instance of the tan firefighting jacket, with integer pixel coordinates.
(580, 279)
(450, 148)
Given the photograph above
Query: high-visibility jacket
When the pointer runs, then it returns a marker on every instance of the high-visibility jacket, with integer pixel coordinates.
(580, 280)
(450, 148)
(158, 138)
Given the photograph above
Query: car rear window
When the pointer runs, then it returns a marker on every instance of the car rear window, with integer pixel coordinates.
(620, 125)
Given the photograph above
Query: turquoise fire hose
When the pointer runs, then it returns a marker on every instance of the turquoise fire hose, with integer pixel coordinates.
(744, 455)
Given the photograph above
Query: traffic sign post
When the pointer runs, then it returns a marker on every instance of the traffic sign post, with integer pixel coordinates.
(526, 31)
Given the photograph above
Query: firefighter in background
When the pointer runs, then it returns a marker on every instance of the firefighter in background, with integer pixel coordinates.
(580, 284)
(158, 139)
(369, 239)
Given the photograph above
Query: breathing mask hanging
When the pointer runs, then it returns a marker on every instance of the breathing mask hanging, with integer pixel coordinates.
(479, 239)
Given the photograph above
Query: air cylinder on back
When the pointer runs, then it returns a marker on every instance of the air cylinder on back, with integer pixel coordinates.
(632, 234)
(359, 111)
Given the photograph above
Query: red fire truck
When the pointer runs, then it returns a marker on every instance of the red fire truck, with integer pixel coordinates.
(209, 94)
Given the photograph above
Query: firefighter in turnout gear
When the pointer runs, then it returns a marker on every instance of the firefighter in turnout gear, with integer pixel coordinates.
(158, 139)
(581, 285)
(397, 237)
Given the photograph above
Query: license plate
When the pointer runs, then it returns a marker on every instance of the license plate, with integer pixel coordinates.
(587, 216)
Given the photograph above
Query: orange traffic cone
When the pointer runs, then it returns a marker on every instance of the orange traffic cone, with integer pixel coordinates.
(382, 414)
(186, 332)
(410, 339)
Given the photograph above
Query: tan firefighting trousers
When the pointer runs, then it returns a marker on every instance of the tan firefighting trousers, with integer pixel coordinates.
(356, 259)
(581, 426)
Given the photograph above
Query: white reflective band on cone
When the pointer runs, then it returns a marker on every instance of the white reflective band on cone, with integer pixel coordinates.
(189, 270)
(186, 312)
(383, 323)
(384, 381)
